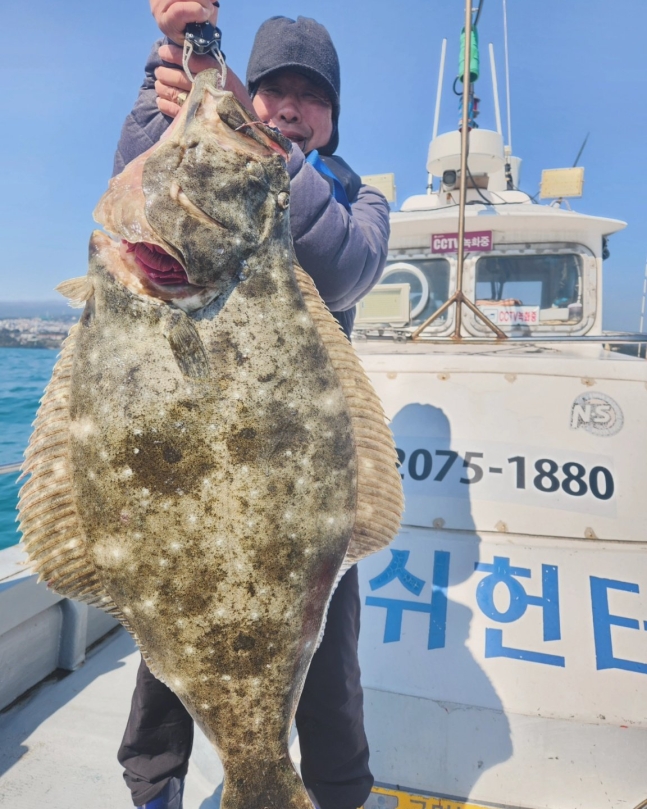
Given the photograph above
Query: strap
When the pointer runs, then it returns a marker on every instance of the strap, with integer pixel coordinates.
(338, 190)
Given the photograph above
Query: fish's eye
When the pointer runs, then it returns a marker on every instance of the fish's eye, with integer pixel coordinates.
(283, 199)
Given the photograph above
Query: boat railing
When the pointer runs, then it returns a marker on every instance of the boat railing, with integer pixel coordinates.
(606, 340)
(10, 468)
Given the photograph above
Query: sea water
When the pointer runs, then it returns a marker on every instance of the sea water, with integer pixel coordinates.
(24, 372)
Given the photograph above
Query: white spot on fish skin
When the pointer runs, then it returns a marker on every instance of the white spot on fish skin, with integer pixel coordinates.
(177, 682)
(137, 432)
(136, 451)
(127, 611)
(250, 523)
(293, 575)
(288, 453)
(180, 622)
(103, 455)
(149, 604)
(220, 612)
(204, 678)
(163, 562)
(82, 429)
(205, 706)
(300, 481)
(117, 553)
(145, 492)
(192, 518)
(176, 546)
(137, 535)
(244, 469)
(307, 550)
(287, 516)
(304, 319)
(330, 520)
(288, 614)
(253, 493)
(254, 616)
(226, 678)
(91, 476)
(189, 650)
(126, 473)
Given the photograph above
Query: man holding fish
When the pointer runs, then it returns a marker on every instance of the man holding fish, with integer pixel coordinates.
(340, 231)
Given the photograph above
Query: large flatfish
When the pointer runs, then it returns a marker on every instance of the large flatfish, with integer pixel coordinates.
(209, 457)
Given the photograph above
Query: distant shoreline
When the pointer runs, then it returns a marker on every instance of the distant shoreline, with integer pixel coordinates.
(35, 332)
(30, 346)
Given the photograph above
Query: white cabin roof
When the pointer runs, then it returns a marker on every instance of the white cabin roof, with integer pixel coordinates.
(513, 218)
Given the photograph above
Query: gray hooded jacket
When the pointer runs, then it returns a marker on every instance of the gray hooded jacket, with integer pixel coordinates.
(344, 252)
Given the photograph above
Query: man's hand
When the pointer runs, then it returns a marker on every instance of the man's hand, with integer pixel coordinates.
(173, 16)
(171, 81)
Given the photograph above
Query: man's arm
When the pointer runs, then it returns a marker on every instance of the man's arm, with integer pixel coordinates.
(155, 106)
(343, 252)
(145, 124)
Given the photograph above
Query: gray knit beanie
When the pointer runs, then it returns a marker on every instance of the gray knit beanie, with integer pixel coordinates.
(304, 46)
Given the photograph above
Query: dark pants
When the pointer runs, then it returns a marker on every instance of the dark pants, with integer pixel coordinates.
(330, 720)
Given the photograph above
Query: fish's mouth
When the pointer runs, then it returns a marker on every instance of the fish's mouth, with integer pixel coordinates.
(158, 265)
(148, 269)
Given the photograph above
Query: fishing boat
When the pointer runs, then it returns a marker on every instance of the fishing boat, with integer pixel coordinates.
(503, 646)
(503, 643)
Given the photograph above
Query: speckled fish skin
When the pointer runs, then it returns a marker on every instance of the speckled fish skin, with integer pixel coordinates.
(209, 444)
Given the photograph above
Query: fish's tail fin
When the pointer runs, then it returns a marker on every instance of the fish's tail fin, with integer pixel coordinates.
(264, 785)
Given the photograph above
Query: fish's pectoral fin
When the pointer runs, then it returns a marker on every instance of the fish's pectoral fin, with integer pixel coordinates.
(77, 291)
(187, 347)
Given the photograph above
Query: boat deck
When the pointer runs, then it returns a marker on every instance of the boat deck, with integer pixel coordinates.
(59, 742)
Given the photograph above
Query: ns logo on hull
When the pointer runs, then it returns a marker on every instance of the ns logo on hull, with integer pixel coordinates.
(596, 413)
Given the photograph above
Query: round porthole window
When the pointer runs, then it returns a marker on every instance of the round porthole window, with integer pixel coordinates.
(404, 273)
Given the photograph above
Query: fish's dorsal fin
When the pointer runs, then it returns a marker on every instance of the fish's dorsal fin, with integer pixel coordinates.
(379, 487)
(76, 290)
(49, 521)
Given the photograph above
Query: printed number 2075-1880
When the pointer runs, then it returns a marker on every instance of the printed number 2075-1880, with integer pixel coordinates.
(571, 477)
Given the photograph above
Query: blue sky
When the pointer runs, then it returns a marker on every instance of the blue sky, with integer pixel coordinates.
(577, 66)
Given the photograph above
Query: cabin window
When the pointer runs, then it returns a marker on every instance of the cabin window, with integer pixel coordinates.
(530, 289)
(429, 282)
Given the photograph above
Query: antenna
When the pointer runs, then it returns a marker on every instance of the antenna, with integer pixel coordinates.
(495, 91)
(579, 154)
(642, 309)
(507, 72)
(439, 91)
(439, 94)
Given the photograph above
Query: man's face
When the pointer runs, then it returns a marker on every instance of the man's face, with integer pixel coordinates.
(297, 107)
